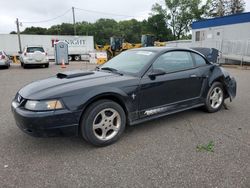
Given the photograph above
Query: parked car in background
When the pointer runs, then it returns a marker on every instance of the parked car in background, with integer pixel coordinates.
(136, 86)
(4, 60)
(34, 55)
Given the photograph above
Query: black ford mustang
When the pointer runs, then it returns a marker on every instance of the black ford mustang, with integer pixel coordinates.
(136, 86)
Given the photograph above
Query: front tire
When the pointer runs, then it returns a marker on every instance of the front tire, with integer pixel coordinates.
(215, 98)
(103, 123)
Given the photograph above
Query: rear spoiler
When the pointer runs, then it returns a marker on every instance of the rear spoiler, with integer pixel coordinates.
(210, 53)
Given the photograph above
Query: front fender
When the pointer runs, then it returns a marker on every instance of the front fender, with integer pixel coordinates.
(109, 92)
(81, 101)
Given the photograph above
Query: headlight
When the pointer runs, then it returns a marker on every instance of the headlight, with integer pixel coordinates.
(43, 105)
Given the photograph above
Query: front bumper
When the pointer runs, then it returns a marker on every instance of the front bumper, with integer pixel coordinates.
(46, 124)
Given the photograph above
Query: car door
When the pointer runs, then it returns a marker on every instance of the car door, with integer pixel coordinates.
(179, 87)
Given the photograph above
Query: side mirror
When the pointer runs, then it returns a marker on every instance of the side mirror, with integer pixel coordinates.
(156, 72)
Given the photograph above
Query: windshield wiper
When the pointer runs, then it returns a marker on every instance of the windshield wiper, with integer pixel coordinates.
(111, 70)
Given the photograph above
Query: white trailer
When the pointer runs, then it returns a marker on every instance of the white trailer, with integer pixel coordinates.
(229, 34)
(79, 46)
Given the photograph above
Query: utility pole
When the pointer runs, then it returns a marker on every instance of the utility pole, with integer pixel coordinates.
(18, 34)
(74, 20)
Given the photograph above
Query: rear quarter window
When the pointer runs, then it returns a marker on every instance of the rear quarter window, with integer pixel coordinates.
(200, 61)
(34, 49)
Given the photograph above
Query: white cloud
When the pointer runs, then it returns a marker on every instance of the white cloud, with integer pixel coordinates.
(30, 10)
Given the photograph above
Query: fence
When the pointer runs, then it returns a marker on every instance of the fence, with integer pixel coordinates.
(238, 50)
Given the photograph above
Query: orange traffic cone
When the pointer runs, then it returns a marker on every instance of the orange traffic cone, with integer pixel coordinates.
(63, 64)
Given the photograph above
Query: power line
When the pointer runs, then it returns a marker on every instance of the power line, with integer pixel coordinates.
(106, 13)
(48, 20)
(85, 10)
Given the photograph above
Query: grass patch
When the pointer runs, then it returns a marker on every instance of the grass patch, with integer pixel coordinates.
(208, 147)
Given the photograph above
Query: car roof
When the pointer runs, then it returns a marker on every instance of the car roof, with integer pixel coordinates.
(160, 50)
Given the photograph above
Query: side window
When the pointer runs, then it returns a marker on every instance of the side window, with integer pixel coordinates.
(200, 61)
(174, 61)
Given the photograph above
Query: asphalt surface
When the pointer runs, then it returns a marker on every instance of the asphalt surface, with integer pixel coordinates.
(160, 153)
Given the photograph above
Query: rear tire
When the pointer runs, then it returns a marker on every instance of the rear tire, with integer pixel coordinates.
(215, 98)
(103, 123)
(24, 66)
(46, 65)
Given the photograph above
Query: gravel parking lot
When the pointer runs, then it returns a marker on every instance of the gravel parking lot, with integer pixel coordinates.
(160, 153)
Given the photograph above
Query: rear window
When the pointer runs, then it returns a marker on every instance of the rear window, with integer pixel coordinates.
(34, 49)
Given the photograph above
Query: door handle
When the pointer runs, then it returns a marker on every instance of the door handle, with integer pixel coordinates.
(193, 76)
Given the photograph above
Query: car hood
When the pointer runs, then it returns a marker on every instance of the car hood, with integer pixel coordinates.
(69, 83)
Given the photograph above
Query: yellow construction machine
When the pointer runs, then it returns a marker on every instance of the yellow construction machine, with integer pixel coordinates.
(117, 45)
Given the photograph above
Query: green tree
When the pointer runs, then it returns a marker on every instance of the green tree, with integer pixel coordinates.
(217, 8)
(236, 6)
(130, 30)
(225, 7)
(157, 25)
(66, 29)
(179, 14)
(54, 30)
(103, 29)
(84, 28)
(35, 30)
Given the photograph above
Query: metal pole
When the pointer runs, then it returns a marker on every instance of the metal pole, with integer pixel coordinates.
(74, 20)
(18, 34)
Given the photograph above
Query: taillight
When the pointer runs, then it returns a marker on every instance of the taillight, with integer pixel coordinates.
(25, 54)
(46, 54)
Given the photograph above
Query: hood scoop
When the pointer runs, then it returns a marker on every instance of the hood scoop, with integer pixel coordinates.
(73, 74)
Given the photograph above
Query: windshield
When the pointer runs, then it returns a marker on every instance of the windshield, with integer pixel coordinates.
(129, 61)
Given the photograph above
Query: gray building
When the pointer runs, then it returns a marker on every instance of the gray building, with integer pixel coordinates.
(228, 34)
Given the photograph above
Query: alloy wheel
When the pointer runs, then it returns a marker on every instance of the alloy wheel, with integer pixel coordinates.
(107, 124)
(216, 97)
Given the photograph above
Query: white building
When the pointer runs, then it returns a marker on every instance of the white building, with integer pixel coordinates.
(228, 34)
